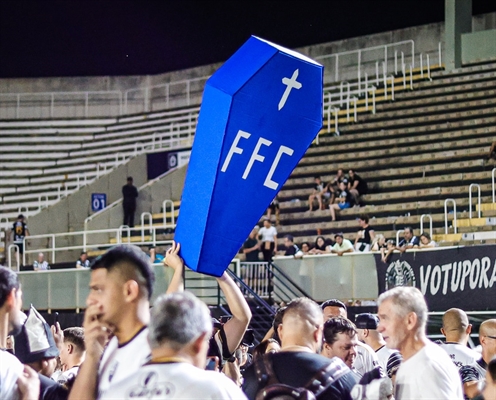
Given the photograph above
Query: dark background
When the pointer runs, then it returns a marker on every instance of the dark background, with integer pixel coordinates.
(40, 38)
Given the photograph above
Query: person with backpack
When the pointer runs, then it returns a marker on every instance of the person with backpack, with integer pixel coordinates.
(297, 370)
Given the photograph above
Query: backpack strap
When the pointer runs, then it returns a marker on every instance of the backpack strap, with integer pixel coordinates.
(264, 371)
(325, 377)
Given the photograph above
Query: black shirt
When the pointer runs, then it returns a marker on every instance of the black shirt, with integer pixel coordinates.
(252, 256)
(362, 185)
(297, 368)
(129, 193)
(292, 250)
(366, 235)
(19, 229)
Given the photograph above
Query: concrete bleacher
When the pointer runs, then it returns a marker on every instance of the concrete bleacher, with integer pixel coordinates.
(43, 161)
(428, 145)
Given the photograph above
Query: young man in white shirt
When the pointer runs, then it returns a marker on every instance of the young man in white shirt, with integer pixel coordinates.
(426, 371)
(179, 332)
(119, 304)
(72, 354)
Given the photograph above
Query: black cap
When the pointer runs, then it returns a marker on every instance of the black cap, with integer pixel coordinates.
(366, 321)
(339, 234)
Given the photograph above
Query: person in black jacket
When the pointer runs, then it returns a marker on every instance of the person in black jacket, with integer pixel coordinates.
(129, 194)
(298, 361)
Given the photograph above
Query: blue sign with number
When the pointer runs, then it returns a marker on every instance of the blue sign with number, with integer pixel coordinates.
(98, 201)
(260, 112)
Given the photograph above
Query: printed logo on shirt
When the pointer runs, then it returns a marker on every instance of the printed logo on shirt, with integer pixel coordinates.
(399, 273)
(149, 387)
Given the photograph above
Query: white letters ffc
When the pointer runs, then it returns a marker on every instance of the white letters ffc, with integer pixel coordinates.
(255, 156)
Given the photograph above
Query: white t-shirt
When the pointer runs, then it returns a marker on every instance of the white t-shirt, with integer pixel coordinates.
(120, 362)
(460, 354)
(10, 369)
(366, 359)
(429, 375)
(267, 234)
(175, 381)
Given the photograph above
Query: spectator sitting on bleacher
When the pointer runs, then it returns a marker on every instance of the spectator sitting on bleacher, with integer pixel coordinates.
(385, 252)
(409, 240)
(317, 193)
(378, 243)
(274, 208)
(291, 248)
(357, 186)
(426, 241)
(156, 257)
(320, 246)
(40, 264)
(342, 245)
(344, 201)
(333, 185)
(83, 261)
(305, 248)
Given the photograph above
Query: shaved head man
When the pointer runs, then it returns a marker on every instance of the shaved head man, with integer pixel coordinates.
(457, 328)
(473, 373)
(297, 362)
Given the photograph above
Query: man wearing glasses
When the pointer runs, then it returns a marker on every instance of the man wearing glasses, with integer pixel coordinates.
(473, 373)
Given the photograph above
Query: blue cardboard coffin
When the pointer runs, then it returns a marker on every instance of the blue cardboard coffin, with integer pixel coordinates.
(260, 112)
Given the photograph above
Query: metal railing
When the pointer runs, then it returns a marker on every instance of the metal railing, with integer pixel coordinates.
(364, 64)
(429, 217)
(492, 183)
(472, 185)
(267, 280)
(388, 53)
(115, 234)
(453, 201)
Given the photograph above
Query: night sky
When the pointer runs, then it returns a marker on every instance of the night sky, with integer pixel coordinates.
(134, 37)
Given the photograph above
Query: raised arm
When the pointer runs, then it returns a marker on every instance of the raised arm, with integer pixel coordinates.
(234, 328)
(173, 260)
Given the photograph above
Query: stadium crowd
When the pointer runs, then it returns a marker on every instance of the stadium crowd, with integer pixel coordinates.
(128, 349)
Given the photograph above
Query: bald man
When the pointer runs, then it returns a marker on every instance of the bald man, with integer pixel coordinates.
(457, 330)
(297, 362)
(475, 372)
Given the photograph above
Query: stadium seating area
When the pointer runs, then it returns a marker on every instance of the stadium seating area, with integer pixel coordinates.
(428, 145)
(44, 160)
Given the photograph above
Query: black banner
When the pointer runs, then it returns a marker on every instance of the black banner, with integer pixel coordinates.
(464, 277)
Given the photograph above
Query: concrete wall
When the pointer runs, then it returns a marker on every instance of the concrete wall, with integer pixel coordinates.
(478, 46)
(68, 214)
(426, 39)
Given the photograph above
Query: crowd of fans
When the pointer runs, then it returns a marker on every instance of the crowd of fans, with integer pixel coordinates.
(264, 241)
(126, 349)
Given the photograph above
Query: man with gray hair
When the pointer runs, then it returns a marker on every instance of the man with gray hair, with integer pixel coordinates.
(427, 371)
(179, 331)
